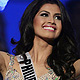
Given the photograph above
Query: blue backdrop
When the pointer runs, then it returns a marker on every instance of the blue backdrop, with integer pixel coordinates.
(12, 15)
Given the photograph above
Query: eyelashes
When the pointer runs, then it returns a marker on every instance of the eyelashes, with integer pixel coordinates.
(57, 17)
(44, 15)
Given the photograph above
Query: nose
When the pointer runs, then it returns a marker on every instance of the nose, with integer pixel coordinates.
(51, 21)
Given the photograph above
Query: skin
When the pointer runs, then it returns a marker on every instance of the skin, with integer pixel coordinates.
(41, 48)
(48, 15)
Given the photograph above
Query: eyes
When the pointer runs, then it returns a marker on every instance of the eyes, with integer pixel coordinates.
(57, 17)
(44, 14)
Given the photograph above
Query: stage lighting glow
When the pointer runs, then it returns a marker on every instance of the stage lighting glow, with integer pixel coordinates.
(64, 1)
(3, 3)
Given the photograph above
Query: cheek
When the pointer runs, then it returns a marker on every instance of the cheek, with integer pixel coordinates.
(59, 25)
(36, 21)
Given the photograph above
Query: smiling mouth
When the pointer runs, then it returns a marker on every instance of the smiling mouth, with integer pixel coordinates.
(49, 28)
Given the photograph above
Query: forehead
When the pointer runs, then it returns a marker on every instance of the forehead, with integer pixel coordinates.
(50, 7)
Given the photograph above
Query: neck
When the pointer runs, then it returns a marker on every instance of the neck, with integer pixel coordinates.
(40, 51)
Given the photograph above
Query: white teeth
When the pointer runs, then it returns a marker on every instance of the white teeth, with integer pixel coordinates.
(50, 28)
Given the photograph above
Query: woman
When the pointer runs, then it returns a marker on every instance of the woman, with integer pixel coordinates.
(47, 47)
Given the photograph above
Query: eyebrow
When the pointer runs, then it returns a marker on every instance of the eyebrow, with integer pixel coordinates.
(45, 11)
(57, 13)
(49, 12)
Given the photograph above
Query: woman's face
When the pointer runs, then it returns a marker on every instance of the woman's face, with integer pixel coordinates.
(47, 22)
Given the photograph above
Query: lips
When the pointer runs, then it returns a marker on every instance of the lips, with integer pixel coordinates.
(49, 28)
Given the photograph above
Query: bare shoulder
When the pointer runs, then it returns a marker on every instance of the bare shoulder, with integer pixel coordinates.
(77, 68)
(3, 55)
(4, 58)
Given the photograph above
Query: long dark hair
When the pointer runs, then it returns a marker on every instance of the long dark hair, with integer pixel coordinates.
(63, 55)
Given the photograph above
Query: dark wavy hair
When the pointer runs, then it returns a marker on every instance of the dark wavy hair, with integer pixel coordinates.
(64, 51)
